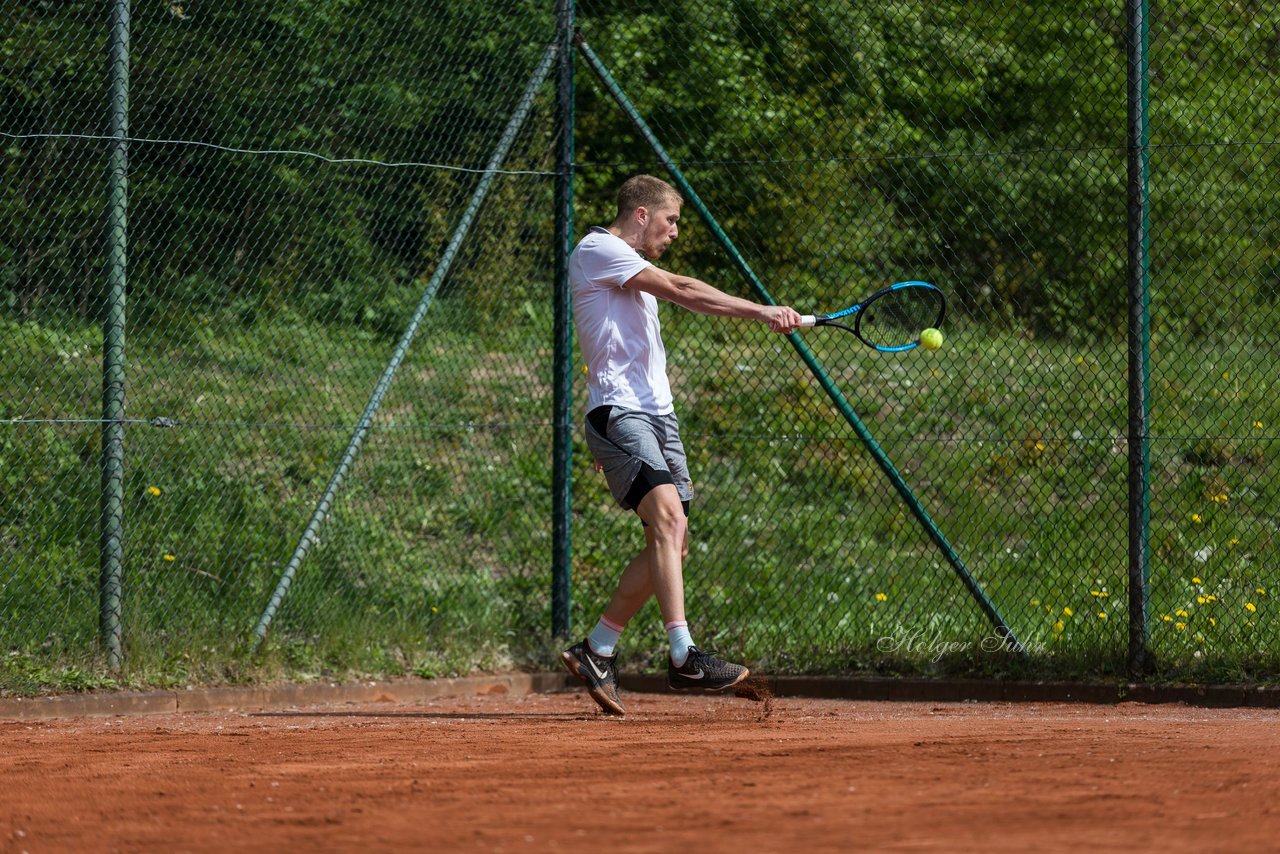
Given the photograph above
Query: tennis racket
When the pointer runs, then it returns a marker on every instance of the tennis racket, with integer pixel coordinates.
(890, 320)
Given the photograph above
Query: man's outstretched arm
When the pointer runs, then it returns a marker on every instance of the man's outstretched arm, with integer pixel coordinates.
(697, 295)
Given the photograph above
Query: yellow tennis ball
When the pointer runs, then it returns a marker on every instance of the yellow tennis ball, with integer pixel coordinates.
(931, 339)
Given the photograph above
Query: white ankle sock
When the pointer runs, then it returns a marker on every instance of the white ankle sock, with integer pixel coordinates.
(603, 639)
(681, 640)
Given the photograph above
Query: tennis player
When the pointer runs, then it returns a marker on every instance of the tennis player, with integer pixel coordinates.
(631, 425)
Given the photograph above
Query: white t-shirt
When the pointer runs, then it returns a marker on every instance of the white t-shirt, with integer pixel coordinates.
(618, 327)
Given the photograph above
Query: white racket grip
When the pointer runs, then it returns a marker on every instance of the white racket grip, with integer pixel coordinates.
(808, 320)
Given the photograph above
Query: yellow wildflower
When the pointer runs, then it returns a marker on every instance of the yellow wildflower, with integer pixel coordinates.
(1250, 607)
(154, 490)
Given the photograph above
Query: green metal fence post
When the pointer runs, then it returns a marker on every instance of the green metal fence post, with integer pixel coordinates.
(309, 536)
(562, 452)
(111, 545)
(1139, 341)
(842, 404)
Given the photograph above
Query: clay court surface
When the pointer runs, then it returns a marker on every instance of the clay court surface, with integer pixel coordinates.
(548, 773)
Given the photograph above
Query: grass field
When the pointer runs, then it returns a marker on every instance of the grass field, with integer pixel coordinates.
(437, 556)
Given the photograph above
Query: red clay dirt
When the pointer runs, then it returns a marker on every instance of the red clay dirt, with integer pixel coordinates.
(548, 773)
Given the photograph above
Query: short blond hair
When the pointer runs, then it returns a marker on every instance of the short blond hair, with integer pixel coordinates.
(645, 191)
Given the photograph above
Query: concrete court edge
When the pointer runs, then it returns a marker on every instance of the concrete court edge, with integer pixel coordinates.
(409, 690)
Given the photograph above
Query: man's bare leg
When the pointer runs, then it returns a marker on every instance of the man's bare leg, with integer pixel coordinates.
(666, 538)
(636, 584)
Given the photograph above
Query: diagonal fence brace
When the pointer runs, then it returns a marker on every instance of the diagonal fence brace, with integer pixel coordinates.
(311, 534)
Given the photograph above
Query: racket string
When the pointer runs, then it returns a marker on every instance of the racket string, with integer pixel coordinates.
(897, 317)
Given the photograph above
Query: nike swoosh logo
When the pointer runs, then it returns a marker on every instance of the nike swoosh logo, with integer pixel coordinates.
(600, 674)
(697, 675)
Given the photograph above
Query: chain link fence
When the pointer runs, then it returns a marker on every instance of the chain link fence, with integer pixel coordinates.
(336, 416)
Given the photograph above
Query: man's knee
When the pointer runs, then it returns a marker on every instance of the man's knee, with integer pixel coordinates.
(664, 513)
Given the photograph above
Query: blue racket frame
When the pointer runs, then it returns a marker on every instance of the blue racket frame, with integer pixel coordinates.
(829, 319)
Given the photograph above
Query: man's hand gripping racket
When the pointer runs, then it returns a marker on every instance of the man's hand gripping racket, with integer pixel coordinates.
(890, 320)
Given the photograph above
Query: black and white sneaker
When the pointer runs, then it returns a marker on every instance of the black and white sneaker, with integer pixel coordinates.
(598, 672)
(702, 671)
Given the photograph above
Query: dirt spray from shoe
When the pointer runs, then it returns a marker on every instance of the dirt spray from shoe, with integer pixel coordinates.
(757, 690)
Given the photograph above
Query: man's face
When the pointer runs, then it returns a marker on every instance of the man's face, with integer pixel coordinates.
(660, 229)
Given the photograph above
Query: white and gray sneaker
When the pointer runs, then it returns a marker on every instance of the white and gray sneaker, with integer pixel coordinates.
(702, 671)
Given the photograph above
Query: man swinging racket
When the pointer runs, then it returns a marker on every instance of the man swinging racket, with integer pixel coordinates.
(631, 425)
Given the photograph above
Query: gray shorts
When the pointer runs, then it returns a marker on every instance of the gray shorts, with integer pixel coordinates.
(633, 441)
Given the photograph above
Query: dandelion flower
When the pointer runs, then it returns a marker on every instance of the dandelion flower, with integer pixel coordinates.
(1067, 611)
(1182, 613)
(1102, 615)
(1250, 607)
(168, 556)
(1196, 580)
(1057, 627)
(1179, 626)
(154, 490)
(880, 597)
(1197, 518)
